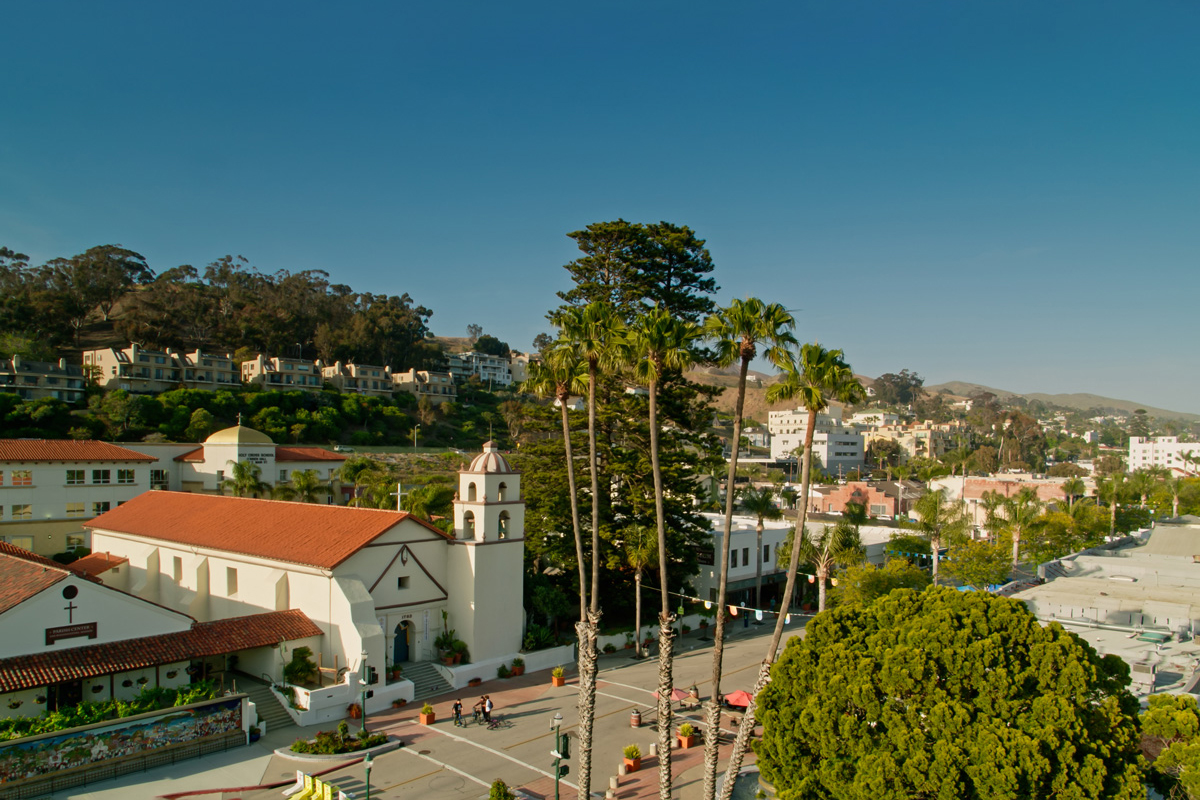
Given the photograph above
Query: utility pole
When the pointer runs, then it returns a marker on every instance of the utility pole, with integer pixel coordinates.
(561, 751)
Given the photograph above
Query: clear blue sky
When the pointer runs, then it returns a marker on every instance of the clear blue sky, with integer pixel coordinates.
(999, 192)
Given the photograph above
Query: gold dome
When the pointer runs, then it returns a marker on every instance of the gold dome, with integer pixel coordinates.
(239, 434)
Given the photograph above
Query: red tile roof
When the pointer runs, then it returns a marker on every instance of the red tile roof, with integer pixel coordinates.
(299, 533)
(26, 450)
(204, 639)
(96, 563)
(24, 574)
(195, 456)
(306, 454)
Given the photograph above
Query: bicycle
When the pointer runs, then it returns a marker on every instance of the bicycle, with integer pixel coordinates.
(498, 722)
(478, 716)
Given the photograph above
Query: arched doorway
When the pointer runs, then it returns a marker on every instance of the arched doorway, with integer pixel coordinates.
(400, 646)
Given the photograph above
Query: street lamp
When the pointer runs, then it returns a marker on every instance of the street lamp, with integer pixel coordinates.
(560, 750)
(367, 767)
(363, 680)
(415, 429)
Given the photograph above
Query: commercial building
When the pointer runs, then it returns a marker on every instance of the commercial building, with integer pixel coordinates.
(839, 448)
(1164, 451)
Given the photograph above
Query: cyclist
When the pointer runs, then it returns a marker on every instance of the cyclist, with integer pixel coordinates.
(458, 720)
(487, 708)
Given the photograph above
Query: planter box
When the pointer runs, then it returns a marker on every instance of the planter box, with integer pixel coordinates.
(632, 764)
(558, 681)
(474, 681)
(427, 719)
(518, 671)
(686, 742)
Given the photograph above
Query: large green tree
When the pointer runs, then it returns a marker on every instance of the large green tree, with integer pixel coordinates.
(945, 694)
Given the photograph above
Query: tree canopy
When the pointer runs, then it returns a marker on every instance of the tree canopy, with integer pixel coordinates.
(946, 694)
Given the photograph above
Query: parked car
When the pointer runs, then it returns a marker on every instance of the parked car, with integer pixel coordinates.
(341, 448)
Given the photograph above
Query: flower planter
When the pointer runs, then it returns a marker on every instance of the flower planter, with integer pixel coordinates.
(558, 680)
(474, 681)
(632, 765)
(355, 711)
(516, 671)
(427, 719)
(686, 742)
(629, 645)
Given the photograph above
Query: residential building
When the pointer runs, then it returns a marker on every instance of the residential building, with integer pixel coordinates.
(437, 386)
(210, 371)
(519, 365)
(925, 439)
(374, 582)
(135, 369)
(282, 374)
(839, 448)
(359, 379)
(1163, 451)
(888, 499)
(873, 418)
(50, 489)
(972, 489)
(487, 368)
(33, 380)
(69, 637)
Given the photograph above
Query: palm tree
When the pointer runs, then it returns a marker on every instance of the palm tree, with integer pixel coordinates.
(246, 480)
(940, 519)
(1109, 490)
(1072, 488)
(641, 553)
(737, 332)
(1021, 511)
(594, 335)
(429, 501)
(306, 487)
(992, 502)
(1174, 488)
(658, 343)
(835, 545)
(759, 503)
(815, 378)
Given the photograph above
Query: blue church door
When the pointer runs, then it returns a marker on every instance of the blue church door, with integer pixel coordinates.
(400, 647)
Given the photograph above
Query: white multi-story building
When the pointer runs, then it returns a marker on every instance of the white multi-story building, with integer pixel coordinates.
(873, 418)
(489, 369)
(282, 374)
(839, 448)
(33, 380)
(141, 371)
(360, 379)
(1162, 451)
(50, 489)
(437, 386)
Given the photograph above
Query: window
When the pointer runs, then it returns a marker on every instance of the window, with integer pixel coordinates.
(76, 510)
(24, 511)
(75, 477)
(125, 476)
(745, 556)
(282, 475)
(1, 477)
(74, 541)
(733, 558)
(766, 554)
(177, 569)
(159, 479)
(100, 507)
(878, 509)
(101, 476)
(22, 477)
(231, 581)
(402, 583)
(504, 524)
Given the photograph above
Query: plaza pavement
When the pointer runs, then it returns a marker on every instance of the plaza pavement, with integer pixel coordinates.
(444, 762)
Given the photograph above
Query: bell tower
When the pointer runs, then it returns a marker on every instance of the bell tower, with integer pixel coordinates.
(486, 563)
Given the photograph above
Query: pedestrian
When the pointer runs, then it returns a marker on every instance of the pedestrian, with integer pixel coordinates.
(487, 708)
(458, 720)
(478, 708)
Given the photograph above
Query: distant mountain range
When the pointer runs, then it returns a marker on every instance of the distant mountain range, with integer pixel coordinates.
(1079, 400)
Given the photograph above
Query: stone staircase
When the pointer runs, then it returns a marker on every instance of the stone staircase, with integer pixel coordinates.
(270, 709)
(427, 681)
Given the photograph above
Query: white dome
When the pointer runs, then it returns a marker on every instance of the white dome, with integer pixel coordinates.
(489, 460)
(238, 434)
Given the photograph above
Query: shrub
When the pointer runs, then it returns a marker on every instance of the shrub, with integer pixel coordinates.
(329, 743)
(500, 791)
(301, 670)
(538, 637)
(518, 662)
(502, 671)
(610, 648)
(632, 751)
(427, 709)
(686, 730)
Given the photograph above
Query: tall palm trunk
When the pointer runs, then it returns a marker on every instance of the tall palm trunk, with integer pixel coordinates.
(713, 715)
(1016, 545)
(822, 577)
(583, 595)
(637, 613)
(588, 629)
(666, 632)
(935, 547)
(742, 741)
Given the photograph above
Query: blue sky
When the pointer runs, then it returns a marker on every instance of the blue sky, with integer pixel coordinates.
(999, 192)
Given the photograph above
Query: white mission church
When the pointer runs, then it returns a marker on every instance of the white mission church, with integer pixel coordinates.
(373, 581)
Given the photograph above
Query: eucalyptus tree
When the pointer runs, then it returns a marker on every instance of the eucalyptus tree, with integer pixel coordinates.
(814, 378)
(656, 343)
(760, 504)
(737, 331)
(595, 335)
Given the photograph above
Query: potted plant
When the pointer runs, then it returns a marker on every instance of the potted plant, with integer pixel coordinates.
(399, 702)
(686, 736)
(628, 640)
(518, 667)
(459, 648)
(557, 678)
(610, 648)
(427, 717)
(687, 628)
(502, 671)
(633, 758)
(354, 710)
(396, 672)
(474, 681)
(704, 622)
(255, 732)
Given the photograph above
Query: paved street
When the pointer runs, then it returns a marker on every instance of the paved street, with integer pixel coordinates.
(444, 762)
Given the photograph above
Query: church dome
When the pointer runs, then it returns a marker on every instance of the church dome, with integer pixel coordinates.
(489, 460)
(238, 434)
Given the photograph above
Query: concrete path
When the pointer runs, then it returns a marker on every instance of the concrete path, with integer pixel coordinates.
(445, 762)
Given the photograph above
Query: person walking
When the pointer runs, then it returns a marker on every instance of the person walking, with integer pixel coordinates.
(487, 708)
(457, 707)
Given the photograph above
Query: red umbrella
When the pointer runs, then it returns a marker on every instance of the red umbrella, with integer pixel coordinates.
(677, 694)
(738, 698)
